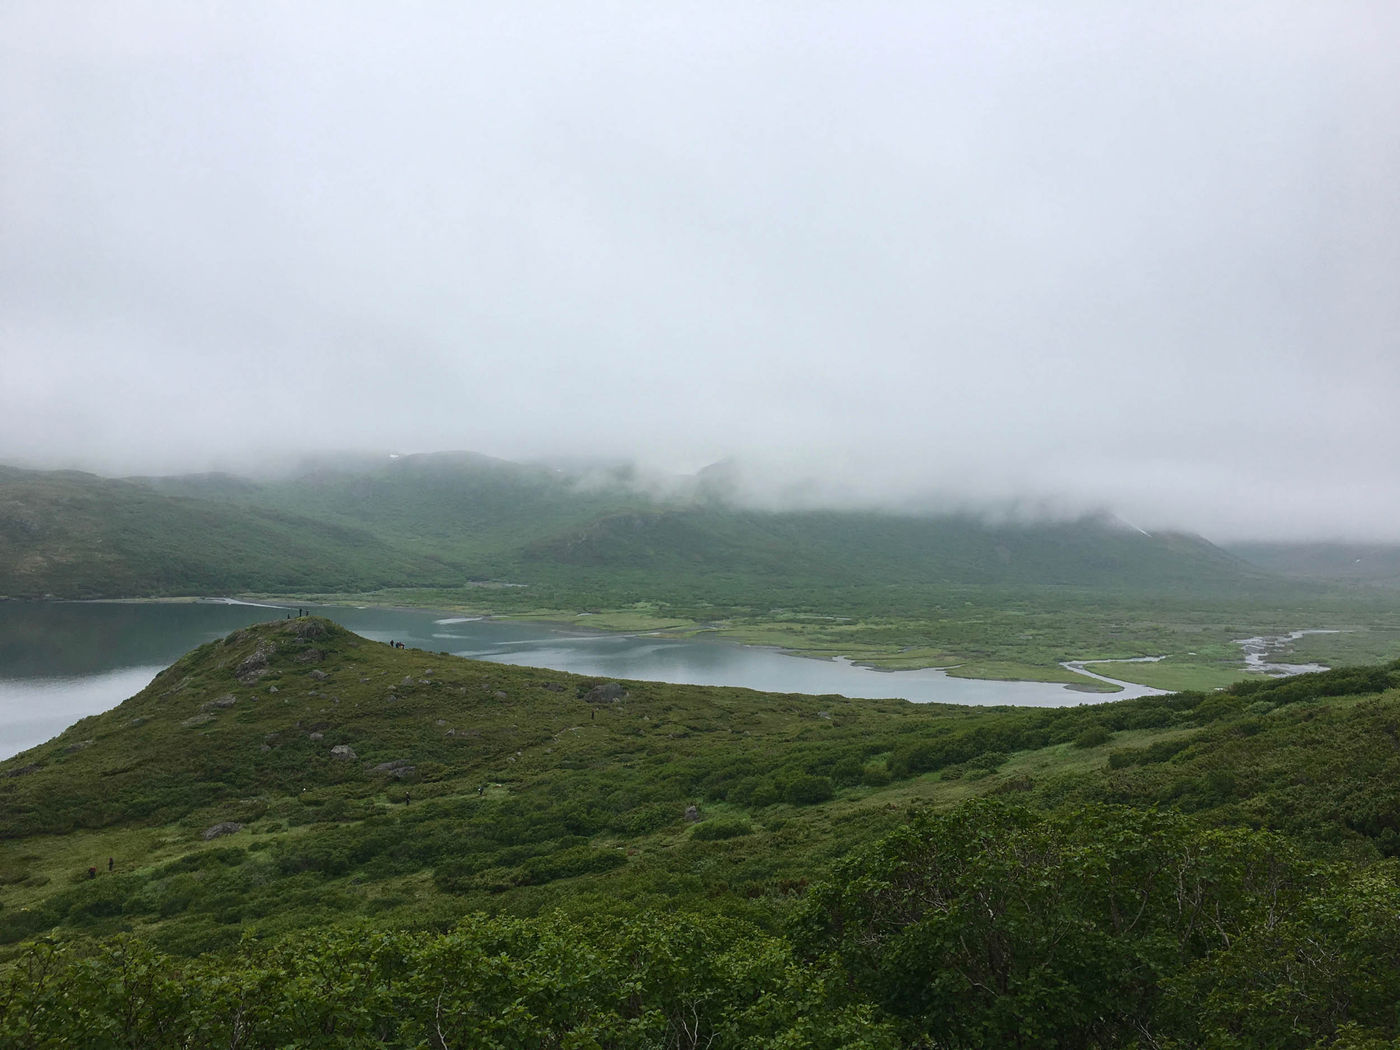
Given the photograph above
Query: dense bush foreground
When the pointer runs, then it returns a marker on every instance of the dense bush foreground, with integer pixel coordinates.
(526, 983)
(991, 926)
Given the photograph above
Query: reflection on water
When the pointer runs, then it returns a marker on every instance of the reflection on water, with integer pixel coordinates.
(34, 710)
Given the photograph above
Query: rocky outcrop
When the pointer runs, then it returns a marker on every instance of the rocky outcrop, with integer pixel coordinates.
(255, 666)
(605, 693)
(307, 627)
(226, 827)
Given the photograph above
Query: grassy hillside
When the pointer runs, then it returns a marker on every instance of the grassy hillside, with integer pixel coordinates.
(456, 505)
(547, 527)
(315, 837)
(1377, 564)
(439, 520)
(863, 562)
(75, 535)
(852, 547)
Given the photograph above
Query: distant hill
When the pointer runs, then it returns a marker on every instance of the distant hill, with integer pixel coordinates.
(75, 535)
(1374, 563)
(862, 547)
(353, 523)
(457, 505)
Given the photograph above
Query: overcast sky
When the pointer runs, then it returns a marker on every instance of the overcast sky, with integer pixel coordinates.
(1137, 255)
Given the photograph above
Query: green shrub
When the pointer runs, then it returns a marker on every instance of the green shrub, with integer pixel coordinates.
(807, 790)
(877, 774)
(721, 828)
(765, 793)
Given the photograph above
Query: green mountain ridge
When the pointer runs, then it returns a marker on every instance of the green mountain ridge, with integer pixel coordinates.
(863, 547)
(349, 525)
(75, 535)
(1370, 563)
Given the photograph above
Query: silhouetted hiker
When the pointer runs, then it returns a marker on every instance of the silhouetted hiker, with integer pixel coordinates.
(111, 863)
(393, 644)
(92, 873)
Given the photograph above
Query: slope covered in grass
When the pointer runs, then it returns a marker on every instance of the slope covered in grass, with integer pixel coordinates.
(75, 535)
(319, 839)
(443, 520)
(322, 840)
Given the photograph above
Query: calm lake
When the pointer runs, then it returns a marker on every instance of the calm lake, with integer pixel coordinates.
(60, 661)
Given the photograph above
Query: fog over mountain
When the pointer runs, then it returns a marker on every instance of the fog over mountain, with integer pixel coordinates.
(1047, 256)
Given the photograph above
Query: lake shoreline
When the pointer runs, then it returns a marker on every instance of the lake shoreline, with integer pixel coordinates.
(66, 660)
(548, 618)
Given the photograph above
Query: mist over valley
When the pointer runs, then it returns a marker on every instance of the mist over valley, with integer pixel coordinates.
(925, 573)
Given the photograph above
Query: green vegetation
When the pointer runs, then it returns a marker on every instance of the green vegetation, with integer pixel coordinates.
(1371, 563)
(73, 535)
(994, 599)
(317, 840)
(1174, 673)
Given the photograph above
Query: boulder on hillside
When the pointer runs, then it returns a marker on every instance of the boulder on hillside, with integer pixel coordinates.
(344, 752)
(226, 827)
(255, 666)
(605, 693)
